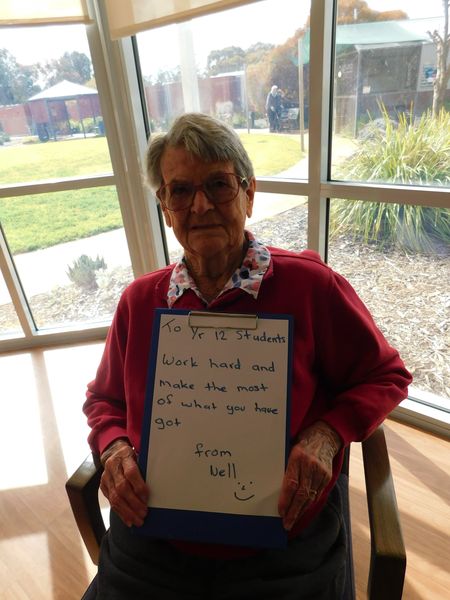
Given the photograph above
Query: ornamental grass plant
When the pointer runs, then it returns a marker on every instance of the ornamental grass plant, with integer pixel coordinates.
(410, 151)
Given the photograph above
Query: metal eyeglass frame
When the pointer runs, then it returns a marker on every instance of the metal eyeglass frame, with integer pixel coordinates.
(200, 186)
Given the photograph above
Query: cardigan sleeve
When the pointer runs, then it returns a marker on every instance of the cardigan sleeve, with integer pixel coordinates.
(105, 405)
(115, 399)
(365, 377)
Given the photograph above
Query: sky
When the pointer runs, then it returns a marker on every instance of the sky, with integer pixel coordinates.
(274, 25)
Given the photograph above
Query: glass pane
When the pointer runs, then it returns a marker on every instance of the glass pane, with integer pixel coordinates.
(280, 220)
(51, 124)
(226, 66)
(9, 323)
(25, 162)
(388, 109)
(222, 66)
(403, 277)
(70, 252)
(277, 220)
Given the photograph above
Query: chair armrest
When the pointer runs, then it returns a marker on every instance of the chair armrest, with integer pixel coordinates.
(82, 489)
(388, 556)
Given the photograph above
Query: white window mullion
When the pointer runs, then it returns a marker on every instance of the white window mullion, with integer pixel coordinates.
(15, 289)
(62, 185)
(396, 194)
(126, 139)
(319, 151)
(151, 236)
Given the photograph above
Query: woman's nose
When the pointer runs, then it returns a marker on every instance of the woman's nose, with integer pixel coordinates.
(201, 203)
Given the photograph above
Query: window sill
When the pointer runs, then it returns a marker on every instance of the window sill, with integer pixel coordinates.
(423, 416)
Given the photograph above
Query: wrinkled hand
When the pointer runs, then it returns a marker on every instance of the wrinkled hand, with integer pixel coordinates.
(122, 483)
(308, 472)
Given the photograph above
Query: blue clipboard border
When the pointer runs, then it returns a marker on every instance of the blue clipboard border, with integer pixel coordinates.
(209, 527)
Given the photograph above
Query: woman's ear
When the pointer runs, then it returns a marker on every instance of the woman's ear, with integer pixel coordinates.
(250, 191)
(166, 213)
(167, 217)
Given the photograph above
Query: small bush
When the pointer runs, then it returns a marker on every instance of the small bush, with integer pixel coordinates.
(239, 121)
(89, 125)
(74, 126)
(30, 140)
(410, 151)
(82, 272)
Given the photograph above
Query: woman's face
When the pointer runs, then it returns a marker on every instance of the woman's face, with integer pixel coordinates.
(206, 230)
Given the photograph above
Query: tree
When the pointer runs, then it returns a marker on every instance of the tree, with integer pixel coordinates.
(25, 84)
(283, 69)
(17, 82)
(441, 42)
(257, 75)
(226, 60)
(73, 66)
(8, 67)
(282, 61)
(257, 52)
(357, 11)
(169, 76)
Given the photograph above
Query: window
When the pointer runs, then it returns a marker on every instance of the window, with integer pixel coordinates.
(356, 99)
(394, 249)
(62, 226)
(379, 100)
(408, 295)
(229, 71)
(9, 323)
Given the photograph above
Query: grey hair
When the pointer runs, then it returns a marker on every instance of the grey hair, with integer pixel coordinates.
(203, 136)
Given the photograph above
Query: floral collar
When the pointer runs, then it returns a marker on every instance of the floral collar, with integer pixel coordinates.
(248, 277)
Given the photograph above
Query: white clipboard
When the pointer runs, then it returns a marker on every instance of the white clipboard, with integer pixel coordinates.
(215, 432)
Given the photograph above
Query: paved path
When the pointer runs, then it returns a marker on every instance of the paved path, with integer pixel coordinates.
(42, 270)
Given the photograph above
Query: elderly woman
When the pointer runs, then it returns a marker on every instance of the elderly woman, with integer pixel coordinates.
(345, 380)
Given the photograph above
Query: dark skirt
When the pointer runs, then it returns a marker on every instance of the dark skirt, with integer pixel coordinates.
(312, 566)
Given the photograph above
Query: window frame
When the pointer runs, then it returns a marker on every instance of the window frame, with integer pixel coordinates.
(120, 92)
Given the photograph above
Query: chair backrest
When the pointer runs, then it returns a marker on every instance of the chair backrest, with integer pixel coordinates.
(388, 555)
(82, 489)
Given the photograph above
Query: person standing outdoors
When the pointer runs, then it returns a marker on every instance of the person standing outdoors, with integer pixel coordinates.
(273, 105)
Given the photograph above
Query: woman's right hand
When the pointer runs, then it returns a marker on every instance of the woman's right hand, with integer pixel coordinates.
(122, 483)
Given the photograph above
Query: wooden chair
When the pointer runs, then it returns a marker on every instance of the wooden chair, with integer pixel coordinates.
(388, 557)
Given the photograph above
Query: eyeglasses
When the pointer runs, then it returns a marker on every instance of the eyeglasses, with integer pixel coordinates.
(219, 188)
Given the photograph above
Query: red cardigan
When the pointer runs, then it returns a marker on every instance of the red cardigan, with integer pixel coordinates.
(344, 371)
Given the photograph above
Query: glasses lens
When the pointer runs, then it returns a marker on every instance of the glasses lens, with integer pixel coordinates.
(221, 188)
(178, 195)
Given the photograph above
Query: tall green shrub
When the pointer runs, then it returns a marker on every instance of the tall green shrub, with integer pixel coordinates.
(410, 151)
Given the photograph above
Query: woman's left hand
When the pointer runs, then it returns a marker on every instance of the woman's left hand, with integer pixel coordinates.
(308, 472)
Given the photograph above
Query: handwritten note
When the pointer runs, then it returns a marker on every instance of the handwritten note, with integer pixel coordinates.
(218, 417)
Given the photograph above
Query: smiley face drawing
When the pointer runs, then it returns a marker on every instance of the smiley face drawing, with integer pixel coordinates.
(244, 493)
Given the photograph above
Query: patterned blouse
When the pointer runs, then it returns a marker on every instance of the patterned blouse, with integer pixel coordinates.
(248, 276)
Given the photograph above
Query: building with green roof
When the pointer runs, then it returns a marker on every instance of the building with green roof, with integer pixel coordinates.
(393, 62)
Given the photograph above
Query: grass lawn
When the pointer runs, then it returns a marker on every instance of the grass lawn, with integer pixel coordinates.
(43, 220)
(271, 154)
(52, 160)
